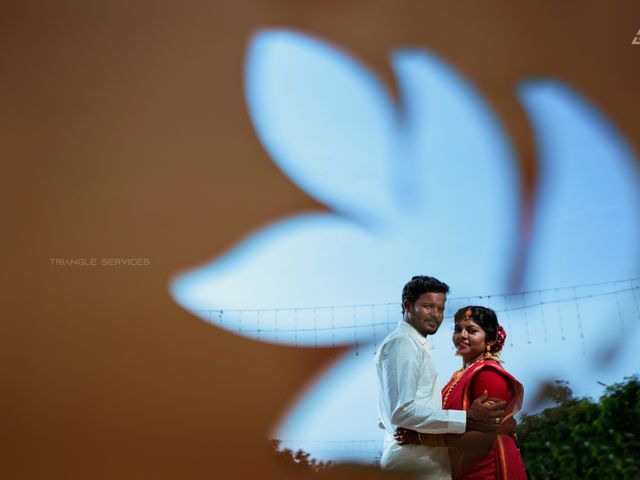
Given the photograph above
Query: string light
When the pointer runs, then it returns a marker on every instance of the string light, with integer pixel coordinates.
(258, 324)
(331, 319)
(544, 322)
(560, 321)
(508, 321)
(315, 327)
(526, 320)
(579, 318)
(373, 319)
(355, 333)
(635, 298)
(620, 317)
(333, 331)
(468, 300)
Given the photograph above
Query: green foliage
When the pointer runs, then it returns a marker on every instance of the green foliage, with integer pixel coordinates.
(299, 459)
(582, 439)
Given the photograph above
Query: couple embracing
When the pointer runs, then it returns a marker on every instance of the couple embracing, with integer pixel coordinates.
(467, 430)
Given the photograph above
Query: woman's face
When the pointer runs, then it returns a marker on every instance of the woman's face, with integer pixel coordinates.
(469, 339)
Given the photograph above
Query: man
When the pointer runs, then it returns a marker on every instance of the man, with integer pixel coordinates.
(408, 392)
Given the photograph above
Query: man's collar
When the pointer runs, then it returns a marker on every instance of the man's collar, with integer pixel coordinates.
(406, 327)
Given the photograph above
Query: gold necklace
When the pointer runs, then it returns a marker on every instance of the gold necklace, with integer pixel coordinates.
(482, 356)
(457, 376)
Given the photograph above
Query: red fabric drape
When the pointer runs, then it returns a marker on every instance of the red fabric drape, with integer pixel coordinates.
(503, 461)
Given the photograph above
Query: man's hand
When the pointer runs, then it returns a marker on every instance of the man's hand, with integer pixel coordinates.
(411, 437)
(405, 437)
(485, 414)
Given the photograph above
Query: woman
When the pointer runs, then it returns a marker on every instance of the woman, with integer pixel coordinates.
(478, 339)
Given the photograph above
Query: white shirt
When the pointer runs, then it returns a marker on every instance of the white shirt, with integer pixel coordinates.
(409, 397)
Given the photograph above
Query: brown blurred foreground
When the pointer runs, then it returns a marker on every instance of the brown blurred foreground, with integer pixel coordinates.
(125, 135)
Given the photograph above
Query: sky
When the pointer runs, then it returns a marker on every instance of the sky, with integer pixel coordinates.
(426, 186)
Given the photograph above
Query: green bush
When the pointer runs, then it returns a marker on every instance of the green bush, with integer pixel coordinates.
(299, 459)
(582, 439)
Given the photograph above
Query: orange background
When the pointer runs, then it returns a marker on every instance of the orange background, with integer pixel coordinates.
(125, 134)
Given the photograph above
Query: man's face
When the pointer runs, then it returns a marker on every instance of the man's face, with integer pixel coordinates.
(426, 314)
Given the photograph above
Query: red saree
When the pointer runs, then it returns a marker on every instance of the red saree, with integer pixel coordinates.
(503, 461)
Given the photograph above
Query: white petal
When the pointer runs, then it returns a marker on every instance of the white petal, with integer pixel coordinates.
(326, 121)
(587, 223)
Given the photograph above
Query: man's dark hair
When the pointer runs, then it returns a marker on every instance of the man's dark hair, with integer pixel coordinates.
(422, 284)
(483, 316)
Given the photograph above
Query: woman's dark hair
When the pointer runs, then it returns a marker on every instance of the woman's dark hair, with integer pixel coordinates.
(422, 284)
(483, 316)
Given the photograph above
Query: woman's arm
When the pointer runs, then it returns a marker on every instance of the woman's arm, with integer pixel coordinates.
(493, 382)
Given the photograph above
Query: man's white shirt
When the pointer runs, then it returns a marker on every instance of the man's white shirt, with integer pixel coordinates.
(409, 396)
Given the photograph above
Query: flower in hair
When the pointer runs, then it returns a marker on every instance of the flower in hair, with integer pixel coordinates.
(500, 339)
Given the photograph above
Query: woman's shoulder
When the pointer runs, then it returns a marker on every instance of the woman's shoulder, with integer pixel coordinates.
(490, 370)
(493, 369)
(491, 376)
(491, 363)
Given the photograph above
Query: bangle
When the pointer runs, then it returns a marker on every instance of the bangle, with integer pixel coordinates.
(432, 439)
